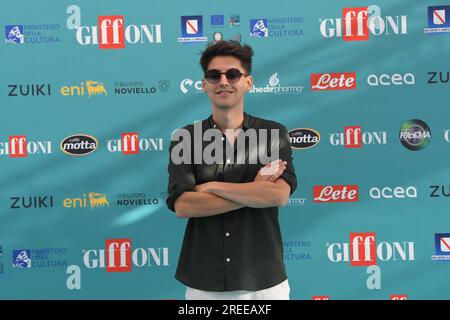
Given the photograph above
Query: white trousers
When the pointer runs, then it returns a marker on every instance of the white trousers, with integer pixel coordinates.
(279, 292)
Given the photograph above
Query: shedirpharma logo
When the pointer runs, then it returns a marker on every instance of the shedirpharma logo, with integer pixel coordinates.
(39, 258)
(32, 34)
(273, 86)
(276, 27)
(438, 19)
(415, 134)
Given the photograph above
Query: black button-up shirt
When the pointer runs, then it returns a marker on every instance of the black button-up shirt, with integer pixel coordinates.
(241, 249)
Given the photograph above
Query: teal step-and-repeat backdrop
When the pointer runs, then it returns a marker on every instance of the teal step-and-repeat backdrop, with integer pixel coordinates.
(91, 92)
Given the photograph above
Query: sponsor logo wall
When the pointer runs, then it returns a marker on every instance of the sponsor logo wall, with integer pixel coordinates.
(91, 94)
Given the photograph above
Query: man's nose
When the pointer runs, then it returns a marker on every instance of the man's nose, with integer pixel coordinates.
(223, 80)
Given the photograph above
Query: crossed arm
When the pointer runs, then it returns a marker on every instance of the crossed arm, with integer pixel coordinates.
(213, 198)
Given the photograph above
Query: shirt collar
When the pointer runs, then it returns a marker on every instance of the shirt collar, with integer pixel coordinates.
(212, 124)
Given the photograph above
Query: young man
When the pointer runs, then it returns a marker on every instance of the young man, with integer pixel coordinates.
(232, 247)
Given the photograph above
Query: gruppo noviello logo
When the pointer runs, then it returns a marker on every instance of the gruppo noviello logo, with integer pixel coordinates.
(192, 29)
(438, 19)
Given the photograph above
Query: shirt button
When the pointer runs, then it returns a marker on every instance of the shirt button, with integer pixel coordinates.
(214, 126)
(228, 161)
(223, 138)
(227, 234)
(228, 259)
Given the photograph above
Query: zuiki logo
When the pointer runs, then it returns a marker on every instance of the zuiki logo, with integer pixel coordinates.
(111, 31)
(354, 137)
(438, 19)
(19, 147)
(192, 29)
(273, 86)
(31, 202)
(79, 144)
(415, 134)
(333, 81)
(339, 193)
(34, 90)
(304, 138)
(357, 24)
(92, 200)
(442, 246)
(132, 144)
(39, 258)
(440, 191)
(91, 87)
(119, 256)
(436, 77)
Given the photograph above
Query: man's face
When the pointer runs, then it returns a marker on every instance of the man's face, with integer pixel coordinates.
(225, 94)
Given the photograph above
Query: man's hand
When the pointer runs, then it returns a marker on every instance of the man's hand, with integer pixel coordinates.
(271, 171)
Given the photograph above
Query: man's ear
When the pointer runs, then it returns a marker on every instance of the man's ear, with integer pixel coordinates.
(203, 84)
(249, 83)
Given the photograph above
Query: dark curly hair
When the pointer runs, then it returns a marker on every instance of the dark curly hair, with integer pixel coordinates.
(228, 48)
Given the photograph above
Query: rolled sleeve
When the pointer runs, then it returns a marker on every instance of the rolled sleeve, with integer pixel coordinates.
(181, 179)
(286, 154)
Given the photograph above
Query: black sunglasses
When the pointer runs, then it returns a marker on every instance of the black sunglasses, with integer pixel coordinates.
(233, 75)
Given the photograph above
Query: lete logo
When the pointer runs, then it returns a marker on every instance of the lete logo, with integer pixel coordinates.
(338, 193)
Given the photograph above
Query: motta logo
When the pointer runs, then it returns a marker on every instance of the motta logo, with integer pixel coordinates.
(132, 144)
(363, 250)
(395, 79)
(389, 193)
(112, 33)
(304, 138)
(79, 144)
(333, 81)
(354, 137)
(19, 147)
(339, 193)
(119, 256)
(357, 24)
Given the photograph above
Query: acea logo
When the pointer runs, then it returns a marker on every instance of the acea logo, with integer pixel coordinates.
(32, 34)
(20, 147)
(192, 29)
(442, 247)
(79, 144)
(92, 200)
(304, 138)
(438, 19)
(91, 87)
(276, 27)
(390, 193)
(39, 258)
(273, 86)
(395, 79)
(111, 32)
(357, 24)
(415, 134)
(120, 256)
